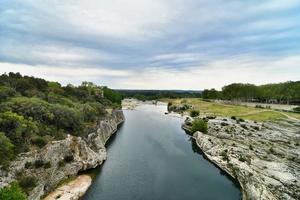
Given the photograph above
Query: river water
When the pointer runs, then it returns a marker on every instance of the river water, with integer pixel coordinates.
(151, 158)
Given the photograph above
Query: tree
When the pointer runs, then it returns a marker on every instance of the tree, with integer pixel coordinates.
(6, 150)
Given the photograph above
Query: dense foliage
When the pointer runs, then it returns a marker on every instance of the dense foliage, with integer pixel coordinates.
(34, 111)
(145, 95)
(12, 192)
(199, 125)
(287, 92)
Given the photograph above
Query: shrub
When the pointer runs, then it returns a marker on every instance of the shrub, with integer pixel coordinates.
(241, 120)
(66, 118)
(47, 165)
(199, 125)
(250, 147)
(6, 150)
(69, 158)
(194, 113)
(12, 192)
(61, 163)
(242, 159)
(28, 165)
(27, 183)
(233, 117)
(6, 92)
(297, 109)
(39, 141)
(38, 163)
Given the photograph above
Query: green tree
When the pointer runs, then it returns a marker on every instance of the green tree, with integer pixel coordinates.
(6, 150)
(12, 192)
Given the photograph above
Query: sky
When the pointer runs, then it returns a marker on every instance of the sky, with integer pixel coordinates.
(152, 44)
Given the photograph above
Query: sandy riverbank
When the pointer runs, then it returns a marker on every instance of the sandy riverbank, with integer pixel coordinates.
(72, 190)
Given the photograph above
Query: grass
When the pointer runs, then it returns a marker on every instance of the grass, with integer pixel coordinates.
(250, 113)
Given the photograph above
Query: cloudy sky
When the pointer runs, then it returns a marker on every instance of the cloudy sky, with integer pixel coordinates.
(152, 44)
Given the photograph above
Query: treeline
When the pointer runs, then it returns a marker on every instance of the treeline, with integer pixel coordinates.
(144, 95)
(284, 93)
(34, 111)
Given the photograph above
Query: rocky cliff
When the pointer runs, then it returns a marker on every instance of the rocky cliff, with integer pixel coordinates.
(263, 157)
(61, 159)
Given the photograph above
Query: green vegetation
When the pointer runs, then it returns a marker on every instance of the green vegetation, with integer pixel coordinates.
(144, 95)
(199, 125)
(27, 183)
(12, 192)
(34, 111)
(236, 112)
(287, 92)
(194, 113)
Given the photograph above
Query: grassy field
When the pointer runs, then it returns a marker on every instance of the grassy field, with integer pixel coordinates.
(250, 113)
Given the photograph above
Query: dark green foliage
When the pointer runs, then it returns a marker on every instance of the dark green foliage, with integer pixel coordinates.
(18, 129)
(287, 92)
(28, 165)
(69, 158)
(112, 95)
(38, 163)
(199, 125)
(144, 95)
(27, 183)
(297, 109)
(233, 117)
(39, 141)
(194, 113)
(66, 118)
(211, 94)
(34, 111)
(47, 165)
(6, 150)
(12, 192)
(6, 92)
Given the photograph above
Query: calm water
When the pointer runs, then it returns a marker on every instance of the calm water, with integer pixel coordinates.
(151, 158)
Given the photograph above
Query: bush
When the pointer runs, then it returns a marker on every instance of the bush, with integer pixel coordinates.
(38, 163)
(194, 113)
(241, 120)
(66, 118)
(6, 150)
(233, 117)
(69, 158)
(28, 165)
(17, 129)
(27, 183)
(297, 109)
(199, 125)
(47, 165)
(12, 192)
(6, 92)
(39, 141)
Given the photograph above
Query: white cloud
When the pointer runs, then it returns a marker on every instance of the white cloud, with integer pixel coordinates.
(64, 75)
(245, 69)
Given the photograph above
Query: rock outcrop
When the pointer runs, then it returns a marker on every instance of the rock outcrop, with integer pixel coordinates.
(263, 157)
(61, 159)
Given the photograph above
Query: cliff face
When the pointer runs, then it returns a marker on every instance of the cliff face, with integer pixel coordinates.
(64, 158)
(264, 158)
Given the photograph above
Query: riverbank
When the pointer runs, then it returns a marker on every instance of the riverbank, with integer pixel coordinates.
(72, 190)
(45, 168)
(263, 157)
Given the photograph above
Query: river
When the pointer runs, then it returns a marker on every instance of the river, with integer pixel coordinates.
(151, 158)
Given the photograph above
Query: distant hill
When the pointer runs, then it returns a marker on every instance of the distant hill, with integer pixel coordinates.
(158, 94)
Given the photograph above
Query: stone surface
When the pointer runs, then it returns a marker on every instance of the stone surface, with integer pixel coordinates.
(263, 157)
(87, 152)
